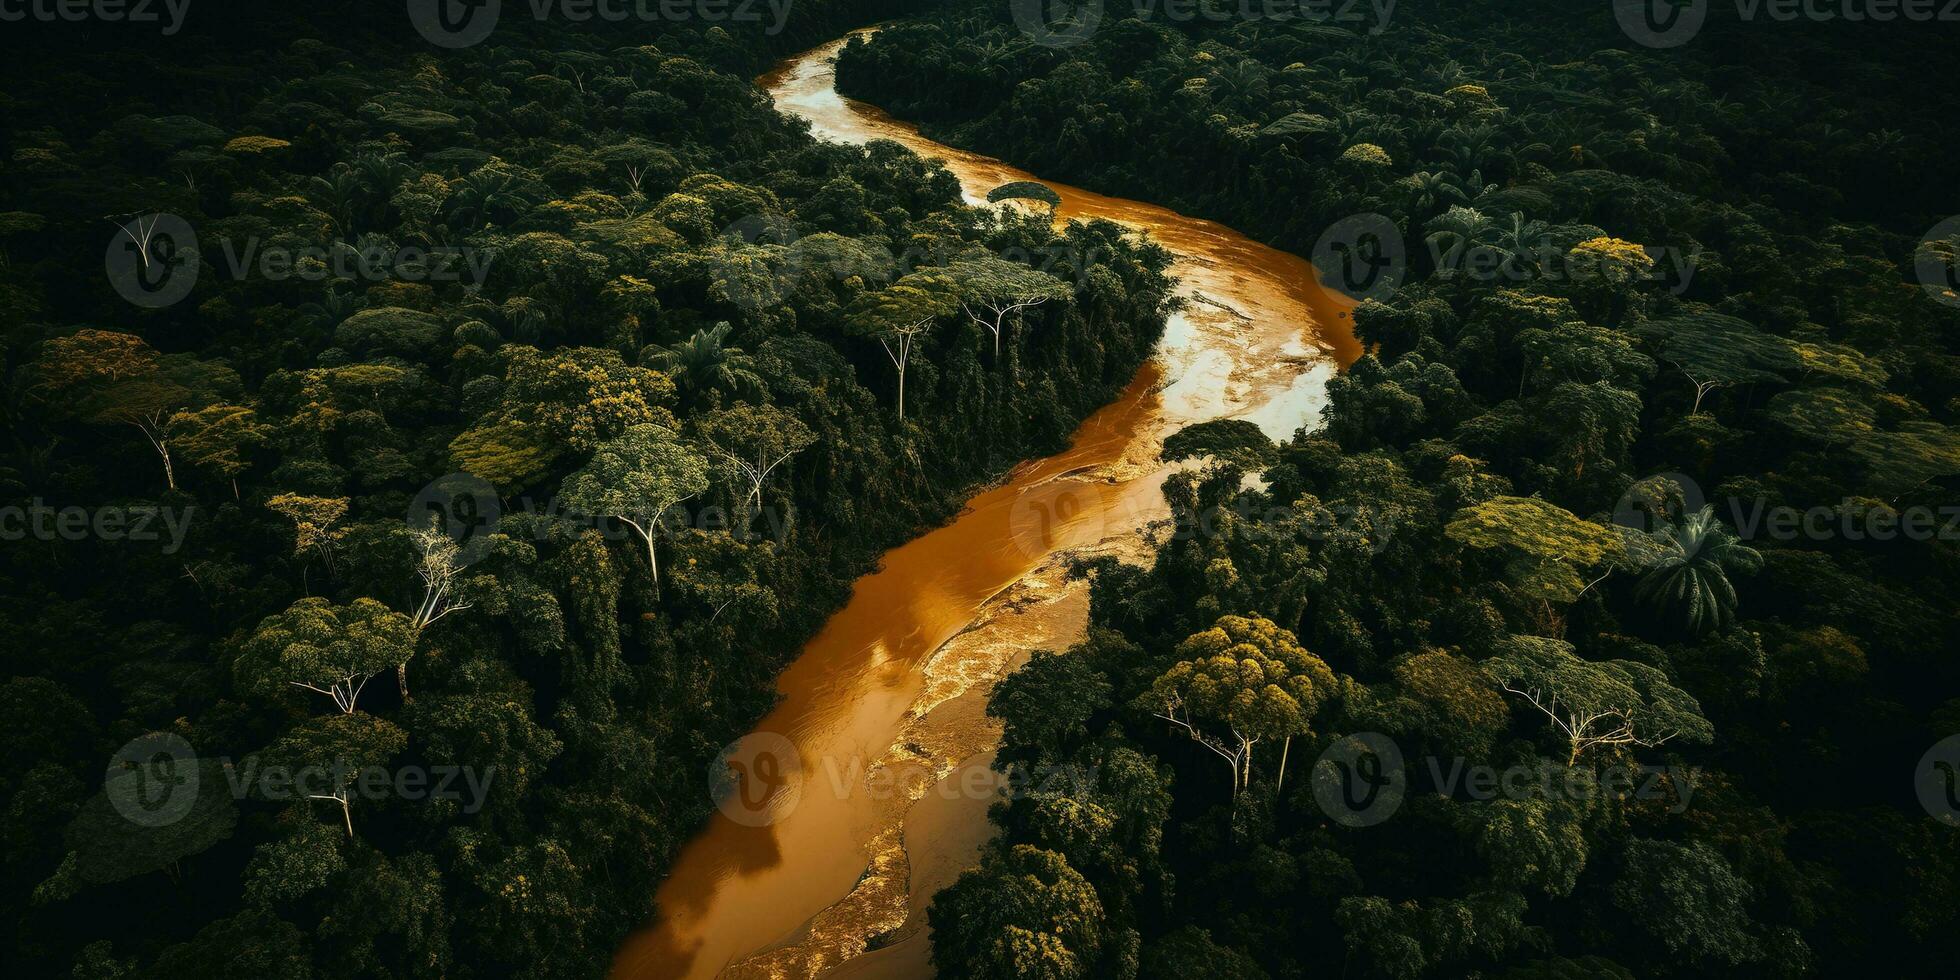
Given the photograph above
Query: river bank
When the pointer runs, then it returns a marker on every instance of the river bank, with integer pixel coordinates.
(882, 724)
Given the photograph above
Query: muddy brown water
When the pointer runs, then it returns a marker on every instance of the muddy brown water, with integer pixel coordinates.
(866, 789)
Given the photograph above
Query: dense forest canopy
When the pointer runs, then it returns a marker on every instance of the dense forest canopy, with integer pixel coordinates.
(472, 413)
(505, 415)
(1598, 626)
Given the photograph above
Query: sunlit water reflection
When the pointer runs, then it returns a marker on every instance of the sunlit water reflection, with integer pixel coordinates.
(885, 706)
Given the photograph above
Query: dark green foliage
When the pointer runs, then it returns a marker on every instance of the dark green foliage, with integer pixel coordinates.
(1691, 579)
(1190, 954)
(1024, 190)
(1046, 705)
(1688, 900)
(1235, 440)
(601, 319)
(1693, 291)
(1028, 915)
(669, 255)
(109, 846)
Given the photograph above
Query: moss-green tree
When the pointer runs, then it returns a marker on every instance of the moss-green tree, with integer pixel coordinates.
(324, 648)
(1597, 704)
(637, 478)
(1239, 683)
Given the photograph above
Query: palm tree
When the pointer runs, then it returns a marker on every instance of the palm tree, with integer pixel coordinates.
(1473, 147)
(703, 364)
(381, 172)
(1453, 232)
(1431, 191)
(996, 59)
(1692, 576)
(341, 195)
(1520, 242)
(1423, 134)
(330, 309)
(1353, 125)
(490, 192)
(1244, 80)
(1447, 74)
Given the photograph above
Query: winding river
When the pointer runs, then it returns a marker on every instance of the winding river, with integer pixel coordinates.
(870, 781)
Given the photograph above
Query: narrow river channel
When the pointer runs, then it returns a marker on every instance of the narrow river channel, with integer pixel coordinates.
(881, 743)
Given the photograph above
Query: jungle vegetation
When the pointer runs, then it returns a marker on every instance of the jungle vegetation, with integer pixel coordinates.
(1493, 549)
(669, 384)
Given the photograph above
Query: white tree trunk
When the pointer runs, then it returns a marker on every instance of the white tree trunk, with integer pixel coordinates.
(653, 563)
